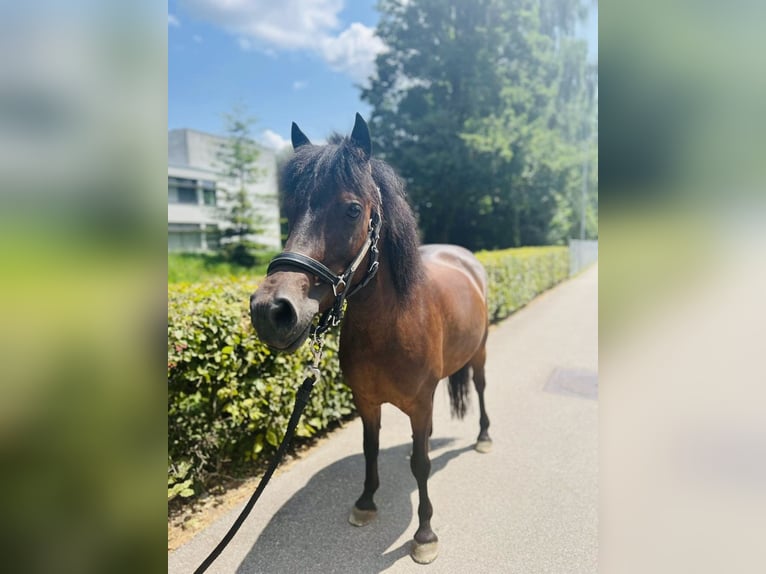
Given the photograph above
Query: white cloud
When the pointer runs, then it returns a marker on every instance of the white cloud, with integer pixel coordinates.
(287, 24)
(299, 85)
(353, 51)
(296, 25)
(273, 140)
(173, 21)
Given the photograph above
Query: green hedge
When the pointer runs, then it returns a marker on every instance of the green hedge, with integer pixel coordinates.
(229, 397)
(516, 276)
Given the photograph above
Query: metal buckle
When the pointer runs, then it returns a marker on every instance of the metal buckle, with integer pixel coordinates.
(336, 286)
(317, 348)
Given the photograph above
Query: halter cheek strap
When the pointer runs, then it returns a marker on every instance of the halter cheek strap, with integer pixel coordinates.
(340, 283)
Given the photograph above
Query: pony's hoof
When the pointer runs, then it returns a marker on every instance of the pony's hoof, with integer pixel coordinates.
(484, 446)
(361, 517)
(424, 553)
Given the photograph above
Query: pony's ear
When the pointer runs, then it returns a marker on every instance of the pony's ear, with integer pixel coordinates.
(360, 136)
(298, 137)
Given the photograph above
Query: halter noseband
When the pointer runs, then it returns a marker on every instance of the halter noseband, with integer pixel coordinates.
(339, 283)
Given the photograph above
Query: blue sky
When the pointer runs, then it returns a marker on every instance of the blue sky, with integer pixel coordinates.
(292, 60)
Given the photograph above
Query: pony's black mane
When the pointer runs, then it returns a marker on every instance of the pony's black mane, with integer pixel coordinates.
(315, 173)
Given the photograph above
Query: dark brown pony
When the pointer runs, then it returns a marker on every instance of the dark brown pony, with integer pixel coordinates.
(422, 316)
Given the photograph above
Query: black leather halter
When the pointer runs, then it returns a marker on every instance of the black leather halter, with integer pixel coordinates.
(340, 283)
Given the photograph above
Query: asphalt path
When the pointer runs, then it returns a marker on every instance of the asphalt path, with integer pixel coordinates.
(529, 506)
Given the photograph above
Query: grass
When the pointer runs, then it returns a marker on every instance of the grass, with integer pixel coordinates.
(194, 267)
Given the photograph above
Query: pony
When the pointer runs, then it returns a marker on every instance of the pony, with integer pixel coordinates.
(414, 314)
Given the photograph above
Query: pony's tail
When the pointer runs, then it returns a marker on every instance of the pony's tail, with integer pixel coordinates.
(458, 391)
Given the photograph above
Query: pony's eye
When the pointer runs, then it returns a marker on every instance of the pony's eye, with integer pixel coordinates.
(354, 210)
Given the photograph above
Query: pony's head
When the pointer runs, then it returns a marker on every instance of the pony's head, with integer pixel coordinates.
(329, 198)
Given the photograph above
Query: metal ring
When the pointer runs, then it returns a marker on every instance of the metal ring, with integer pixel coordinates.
(335, 286)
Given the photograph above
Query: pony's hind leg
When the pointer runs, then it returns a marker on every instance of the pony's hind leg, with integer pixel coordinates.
(364, 511)
(483, 442)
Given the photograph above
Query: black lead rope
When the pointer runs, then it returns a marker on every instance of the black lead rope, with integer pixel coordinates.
(301, 400)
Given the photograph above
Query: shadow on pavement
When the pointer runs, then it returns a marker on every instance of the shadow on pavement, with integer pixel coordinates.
(311, 532)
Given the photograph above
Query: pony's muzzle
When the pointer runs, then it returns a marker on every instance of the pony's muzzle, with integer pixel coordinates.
(281, 319)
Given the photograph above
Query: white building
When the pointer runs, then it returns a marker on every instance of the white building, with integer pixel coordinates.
(193, 183)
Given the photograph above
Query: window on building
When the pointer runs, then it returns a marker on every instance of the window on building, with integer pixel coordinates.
(181, 190)
(212, 237)
(208, 192)
(187, 195)
(184, 237)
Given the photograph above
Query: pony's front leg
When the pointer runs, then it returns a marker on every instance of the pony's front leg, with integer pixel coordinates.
(364, 510)
(425, 546)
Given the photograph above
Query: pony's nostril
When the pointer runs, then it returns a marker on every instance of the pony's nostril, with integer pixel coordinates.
(283, 313)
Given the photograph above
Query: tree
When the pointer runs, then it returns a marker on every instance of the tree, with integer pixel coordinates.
(577, 105)
(474, 103)
(238, 158)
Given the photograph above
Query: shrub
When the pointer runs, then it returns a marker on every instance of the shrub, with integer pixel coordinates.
(230, 397)
(516, 276)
